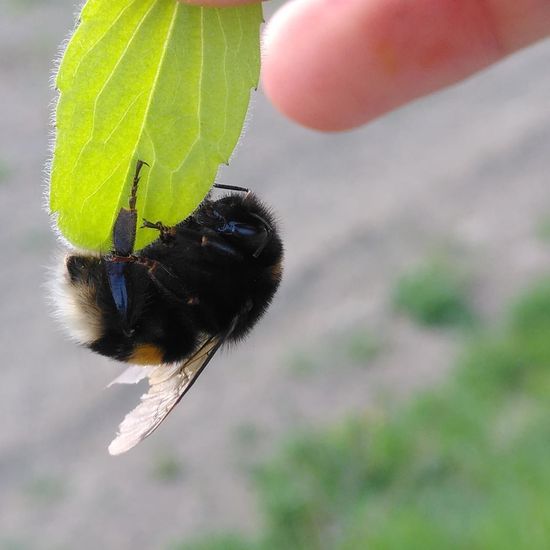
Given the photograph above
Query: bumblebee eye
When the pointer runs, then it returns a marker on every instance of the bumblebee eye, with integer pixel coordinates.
(75, 268)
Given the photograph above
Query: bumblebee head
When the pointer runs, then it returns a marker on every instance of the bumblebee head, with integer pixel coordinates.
(86, 306)
(114, 310)
(74, 293)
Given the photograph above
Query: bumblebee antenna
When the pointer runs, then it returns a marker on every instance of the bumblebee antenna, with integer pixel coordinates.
(231, 188)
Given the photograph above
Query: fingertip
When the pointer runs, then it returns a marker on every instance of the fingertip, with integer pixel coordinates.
(219, 3)
(292, 72)
(336, 64)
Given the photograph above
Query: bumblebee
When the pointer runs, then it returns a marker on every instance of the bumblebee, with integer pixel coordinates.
(167, 309)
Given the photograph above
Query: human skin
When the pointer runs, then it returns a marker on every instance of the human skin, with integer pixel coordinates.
(336, 64)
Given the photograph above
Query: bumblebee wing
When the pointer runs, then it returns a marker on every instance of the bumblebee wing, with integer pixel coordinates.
(167, 385)
(132, 375)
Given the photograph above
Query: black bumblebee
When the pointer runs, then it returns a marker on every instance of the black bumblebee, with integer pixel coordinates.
(170, 306)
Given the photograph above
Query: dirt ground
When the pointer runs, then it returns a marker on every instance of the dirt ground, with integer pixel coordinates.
(464, 173)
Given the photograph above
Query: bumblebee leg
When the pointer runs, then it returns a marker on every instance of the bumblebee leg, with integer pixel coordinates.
(124, 230)
(167, 234)
(213, 242)
(168, 283)
(133, 192)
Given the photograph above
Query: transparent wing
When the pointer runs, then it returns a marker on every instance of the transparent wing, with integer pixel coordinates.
(132, 375)
(167, 385)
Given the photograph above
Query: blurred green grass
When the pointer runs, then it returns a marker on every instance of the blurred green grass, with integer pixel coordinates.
(46, 489)
(167, 467)
(5, 171)
(363, 346)
(543, 229)
(357, 347)
(434, 294)
(10, 543)
(463, 466)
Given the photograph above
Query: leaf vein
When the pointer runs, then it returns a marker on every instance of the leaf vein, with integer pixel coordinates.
(101, 37)
(102, 89)
(143, 128)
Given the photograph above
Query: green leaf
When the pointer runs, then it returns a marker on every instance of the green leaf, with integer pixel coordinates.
(155, 80)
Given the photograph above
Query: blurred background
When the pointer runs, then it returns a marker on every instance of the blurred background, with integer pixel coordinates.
(396, 394)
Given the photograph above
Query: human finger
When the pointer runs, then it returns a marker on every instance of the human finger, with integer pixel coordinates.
(336, 64)
(219, 3)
